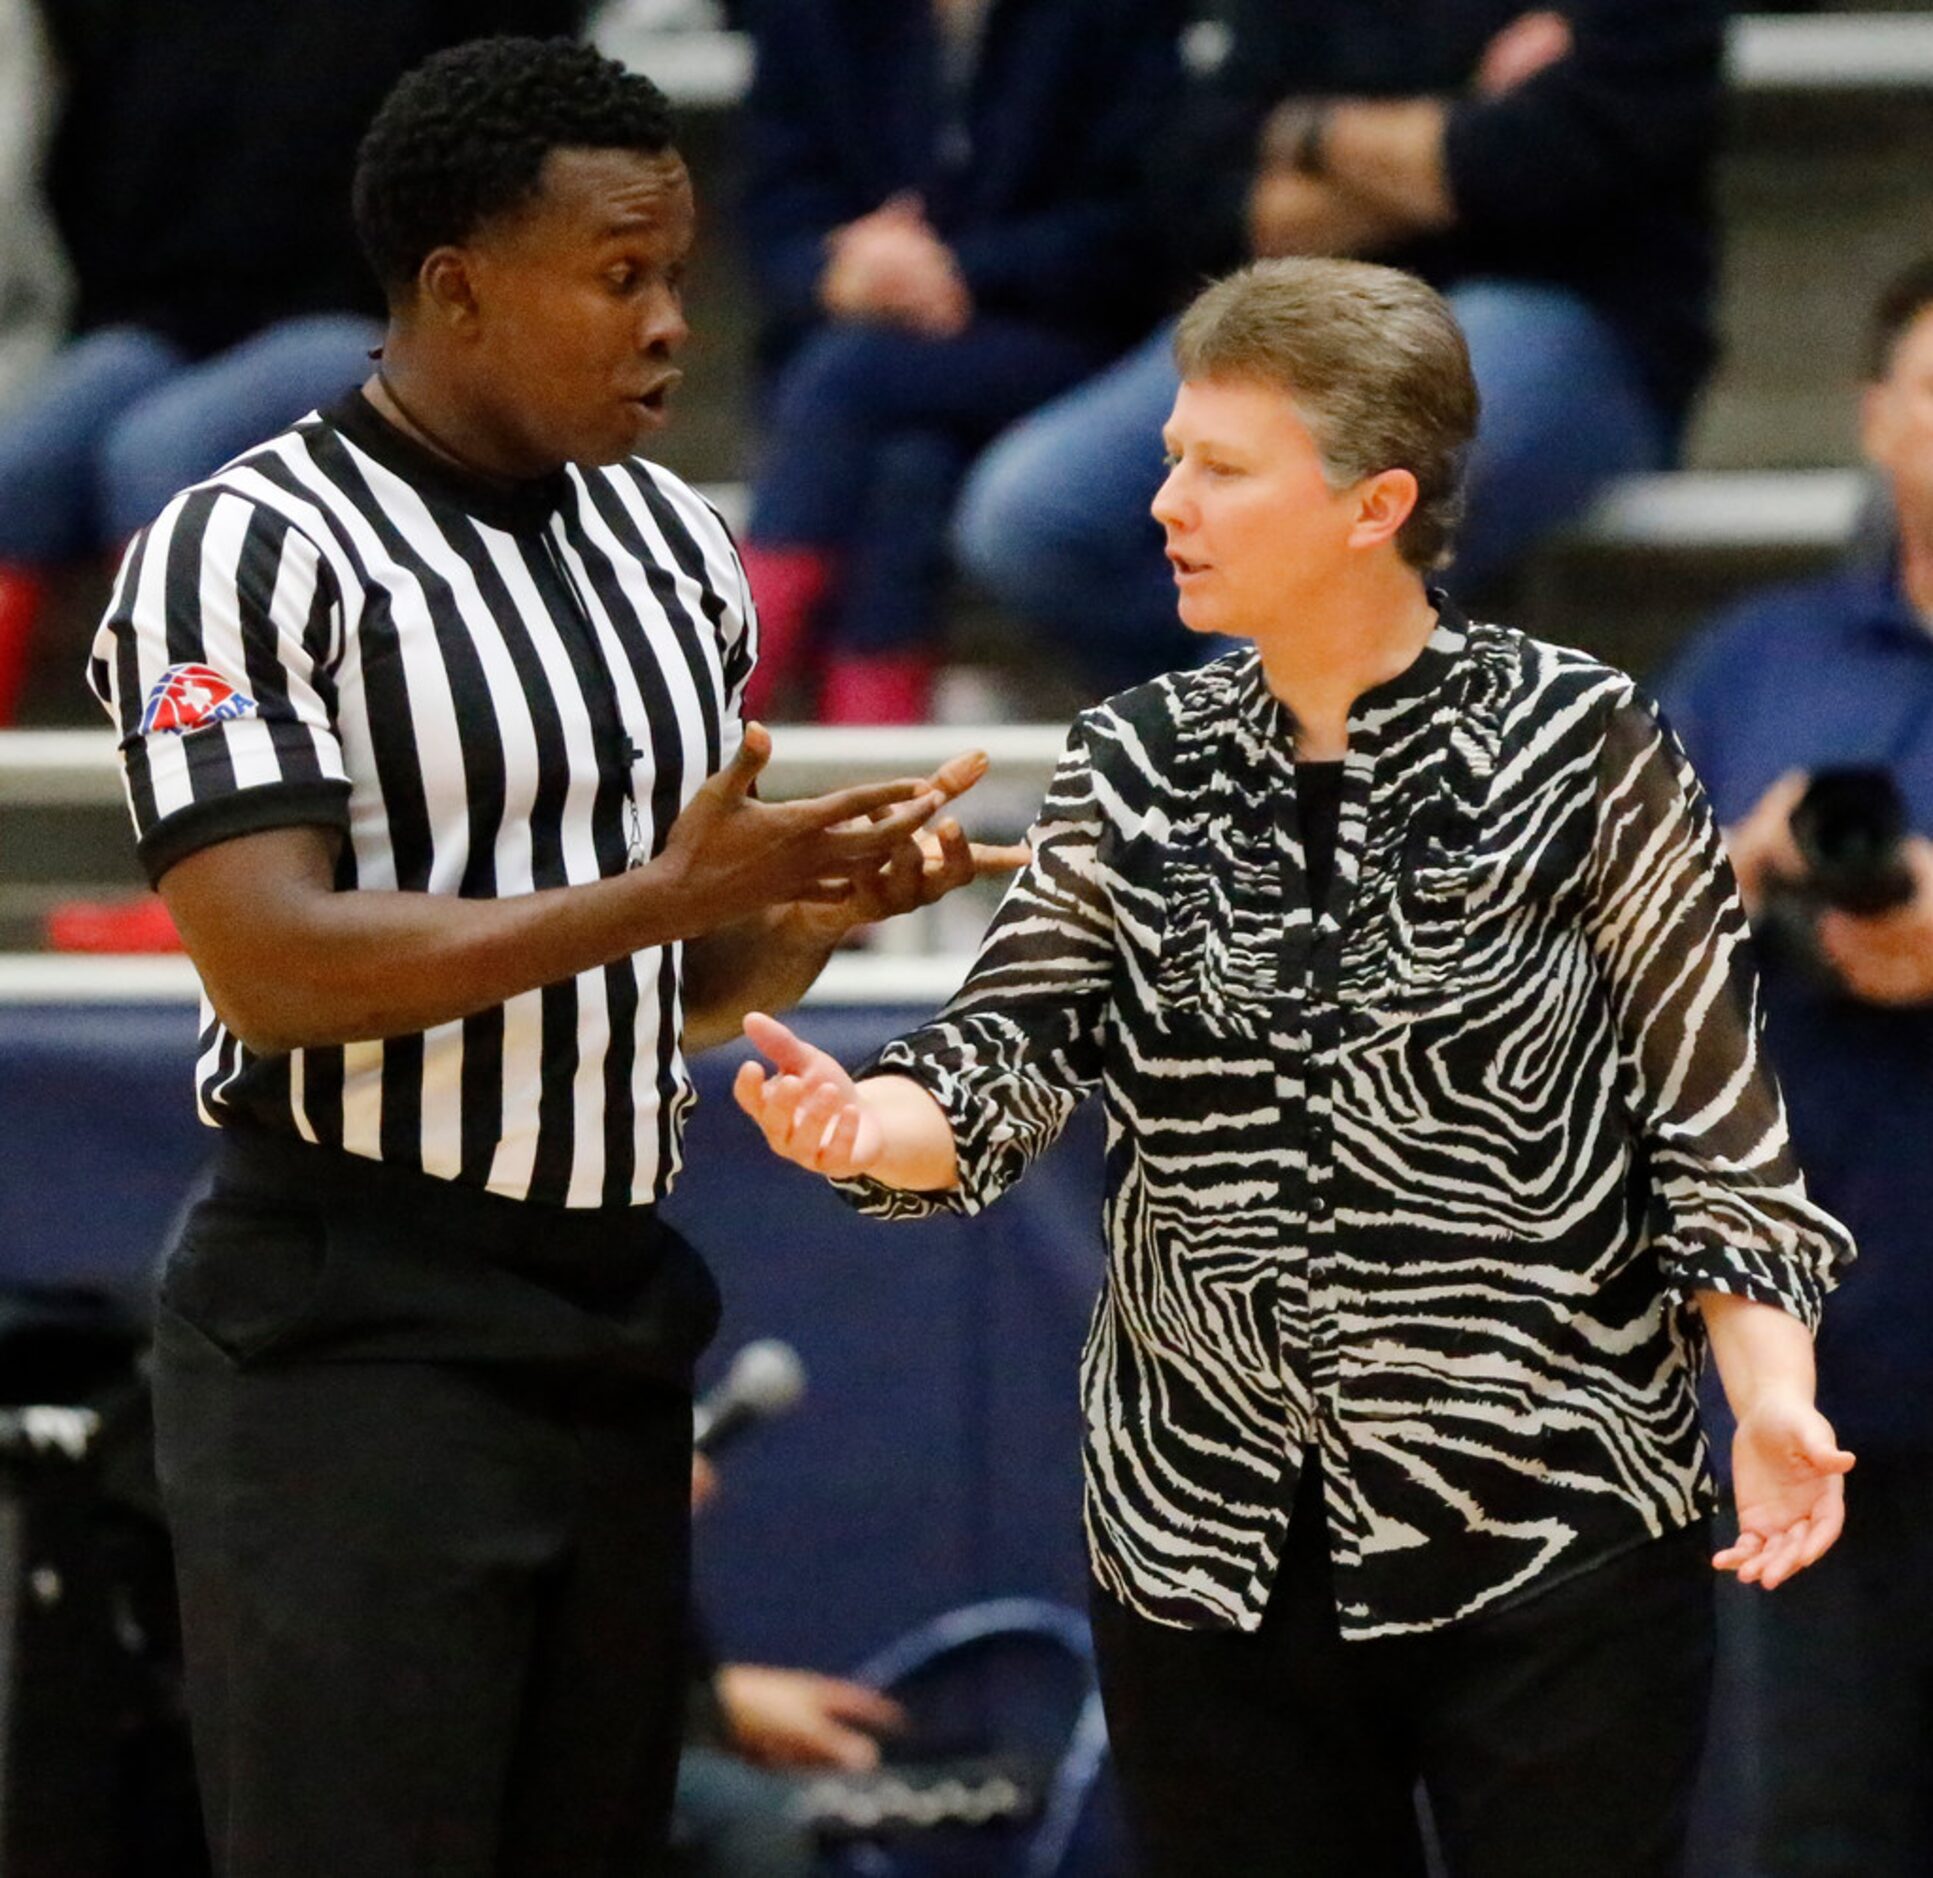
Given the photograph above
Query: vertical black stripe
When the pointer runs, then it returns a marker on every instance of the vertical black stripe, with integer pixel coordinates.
(620, 1061)
(400, 1138)
(264, 1089)
(399, 776)
(669, 1091)
(480, 729)
(319, 634)
(325, 1069)
(480, 1125)
(737, 658)
(187, 544)
(323, 1076)
(550, 1174)
(577, 634)
(264, 545)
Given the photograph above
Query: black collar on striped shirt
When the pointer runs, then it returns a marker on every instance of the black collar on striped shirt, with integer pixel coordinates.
(519, 507)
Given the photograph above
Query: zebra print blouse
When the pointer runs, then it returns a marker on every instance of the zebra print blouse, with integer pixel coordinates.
(1424, 1185)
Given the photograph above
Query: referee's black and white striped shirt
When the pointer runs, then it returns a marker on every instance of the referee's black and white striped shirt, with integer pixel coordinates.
(1424, 1184)
(489, 691)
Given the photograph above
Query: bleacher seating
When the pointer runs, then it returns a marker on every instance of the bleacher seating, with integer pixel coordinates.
(1819, 191)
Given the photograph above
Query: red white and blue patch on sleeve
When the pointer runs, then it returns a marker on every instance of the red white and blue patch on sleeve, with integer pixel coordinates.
(186, 697)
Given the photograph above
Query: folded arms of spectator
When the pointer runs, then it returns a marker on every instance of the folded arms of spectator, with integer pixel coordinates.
(1569, 117)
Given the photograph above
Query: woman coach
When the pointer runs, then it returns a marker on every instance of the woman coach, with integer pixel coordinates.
(1405, 955)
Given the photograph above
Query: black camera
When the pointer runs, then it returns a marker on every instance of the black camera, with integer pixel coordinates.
(1850, 830)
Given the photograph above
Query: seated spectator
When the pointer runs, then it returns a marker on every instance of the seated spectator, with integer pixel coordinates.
(1549, 170)
(942, 223)
(1832, 674)
(200, 175)
(751, 1731)
(33, 273)
(757, 1736)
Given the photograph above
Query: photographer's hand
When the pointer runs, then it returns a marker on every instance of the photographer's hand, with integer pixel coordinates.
(1888, 959)
(1760, 847)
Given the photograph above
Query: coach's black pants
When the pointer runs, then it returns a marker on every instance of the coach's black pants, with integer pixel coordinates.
(433, 1603)
(1557, 1739)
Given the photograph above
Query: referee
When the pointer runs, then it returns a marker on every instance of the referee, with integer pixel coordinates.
(430, 714)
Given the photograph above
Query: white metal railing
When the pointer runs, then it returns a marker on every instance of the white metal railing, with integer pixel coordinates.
(1834, 52)
(916, 961)
(1806, 508)
(707, 70)
(1728, 509)
(711, 69)
(78, 768)
(53, 978)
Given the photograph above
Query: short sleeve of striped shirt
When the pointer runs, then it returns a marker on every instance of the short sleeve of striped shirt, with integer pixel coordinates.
(216, 662)
(737, 628)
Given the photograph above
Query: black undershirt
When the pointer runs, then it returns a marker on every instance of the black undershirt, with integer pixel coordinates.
(1318, 806)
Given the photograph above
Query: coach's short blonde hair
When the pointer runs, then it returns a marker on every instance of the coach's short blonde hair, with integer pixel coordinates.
(1375, 364)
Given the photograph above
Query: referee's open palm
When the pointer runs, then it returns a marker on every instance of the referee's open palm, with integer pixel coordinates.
(735, 855)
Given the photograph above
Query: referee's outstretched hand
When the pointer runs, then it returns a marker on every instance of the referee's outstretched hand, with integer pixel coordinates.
(734, 855)
(924, 866)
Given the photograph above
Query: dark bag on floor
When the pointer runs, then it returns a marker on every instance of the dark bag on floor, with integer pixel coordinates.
(95, 1775)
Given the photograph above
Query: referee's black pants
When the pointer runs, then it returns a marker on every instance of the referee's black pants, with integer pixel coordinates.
(1557, 1739)
(433, 1606)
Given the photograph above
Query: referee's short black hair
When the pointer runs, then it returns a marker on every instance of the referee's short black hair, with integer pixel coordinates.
(462, 139)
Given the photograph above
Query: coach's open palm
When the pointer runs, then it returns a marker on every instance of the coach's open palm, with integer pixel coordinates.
(1788, 1481)
(808, 1109)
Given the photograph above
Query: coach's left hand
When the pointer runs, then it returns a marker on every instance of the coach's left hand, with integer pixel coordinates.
(1788, 1479)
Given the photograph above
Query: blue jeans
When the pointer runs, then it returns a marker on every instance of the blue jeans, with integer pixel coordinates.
(121, 419)
(1054, 518)
(870, 432)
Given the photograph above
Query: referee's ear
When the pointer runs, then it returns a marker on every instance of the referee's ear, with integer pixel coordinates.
(446, 288)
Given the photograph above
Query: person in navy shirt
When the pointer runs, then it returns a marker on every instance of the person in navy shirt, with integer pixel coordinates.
(1839, 672)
